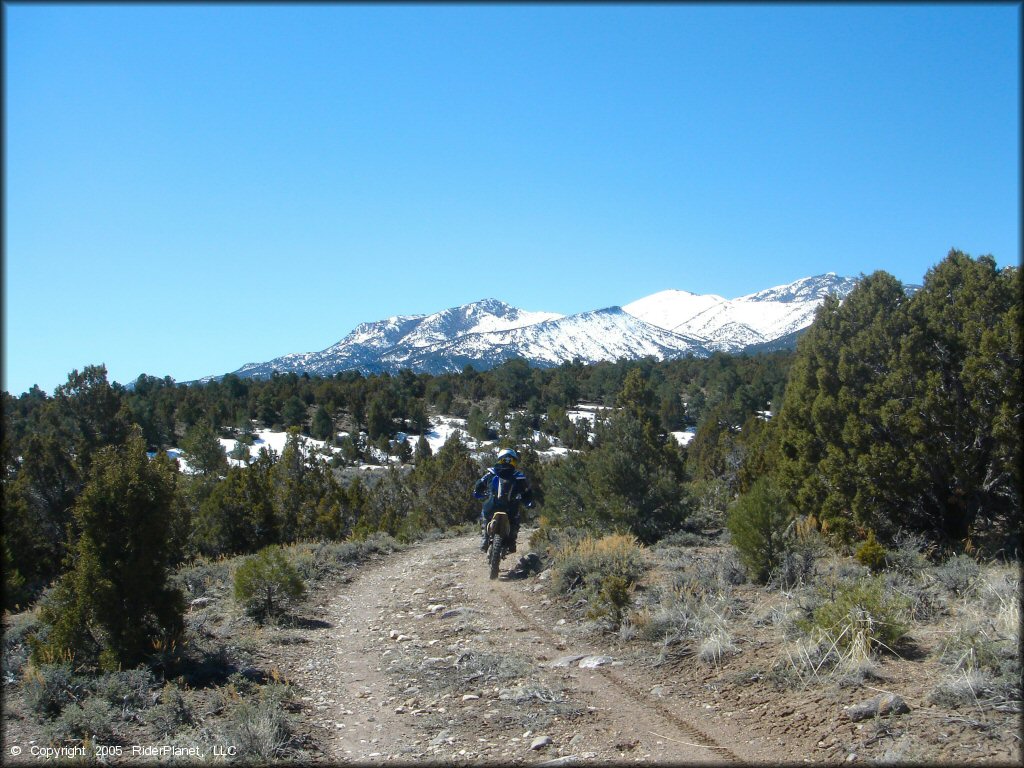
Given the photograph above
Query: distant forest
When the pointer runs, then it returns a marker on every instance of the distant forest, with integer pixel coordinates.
(894, 414)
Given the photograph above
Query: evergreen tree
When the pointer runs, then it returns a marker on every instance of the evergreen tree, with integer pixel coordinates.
(240, 515)
(378, 420)
(289, 479)
(476, 424)
(322, 427)
(758, 522)
(442, 488)
(37, 508)
(905, 413)
(670, 412)
(632, 480)
(423, 450)
(294, 412)
(714, 451)
(268, 407)
(419, 422)
(203, 450)
(958, 450)
(637, 398)
(115, 601)
(403, 451)
(830, 412)
(88, 411)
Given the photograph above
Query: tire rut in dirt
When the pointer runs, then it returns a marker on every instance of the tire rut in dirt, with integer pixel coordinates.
(700, 738)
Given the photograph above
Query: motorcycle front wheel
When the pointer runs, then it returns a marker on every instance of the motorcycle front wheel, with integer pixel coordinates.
(494, 556)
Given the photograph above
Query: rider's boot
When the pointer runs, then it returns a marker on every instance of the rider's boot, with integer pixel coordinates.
(483, 538)
(512, 536)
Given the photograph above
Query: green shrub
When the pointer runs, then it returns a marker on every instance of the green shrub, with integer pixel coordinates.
(757, 522)
(614, 596)
(51, 687)
(171, 713)
(858, 617)
(871, 553)
(92, 719)
(266, 584)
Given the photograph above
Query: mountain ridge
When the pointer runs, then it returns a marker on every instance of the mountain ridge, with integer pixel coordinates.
(487, 332)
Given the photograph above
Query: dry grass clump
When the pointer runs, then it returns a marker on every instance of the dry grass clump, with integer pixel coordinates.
(605, 569)
(587, 562)
(716, 640)
(984, 649)
(695, 608)
(846, 658)
(261, 729)
(959, 574)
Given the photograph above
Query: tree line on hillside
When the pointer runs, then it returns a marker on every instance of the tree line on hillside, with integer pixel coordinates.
(894, 414)
(381, 404)
(49, 444)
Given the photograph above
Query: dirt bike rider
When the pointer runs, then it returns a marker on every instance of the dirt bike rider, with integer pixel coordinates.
(503, 475)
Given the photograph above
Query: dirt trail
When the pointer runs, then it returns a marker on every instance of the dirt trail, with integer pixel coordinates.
(425, 658)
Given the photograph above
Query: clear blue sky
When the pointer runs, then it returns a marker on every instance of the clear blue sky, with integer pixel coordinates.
(191, 188)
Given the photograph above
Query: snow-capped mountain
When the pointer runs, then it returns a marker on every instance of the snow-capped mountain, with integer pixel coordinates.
(485, 333)
(605, 334)
(386, 344)
(730, 325)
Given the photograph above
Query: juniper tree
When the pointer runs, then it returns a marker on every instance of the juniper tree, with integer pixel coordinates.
(423, 450)
(959, 447)
(115, 601)
(830, 412)
(906, 412)
(239, 515)
(294, 412)
(632, 480)
(322, 427)
(203, 449)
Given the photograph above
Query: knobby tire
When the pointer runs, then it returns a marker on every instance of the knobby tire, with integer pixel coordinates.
(494, 556)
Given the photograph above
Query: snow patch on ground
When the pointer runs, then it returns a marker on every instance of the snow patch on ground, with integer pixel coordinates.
(275, 441)
(443, 427)
(684, 437)
(441, 430)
